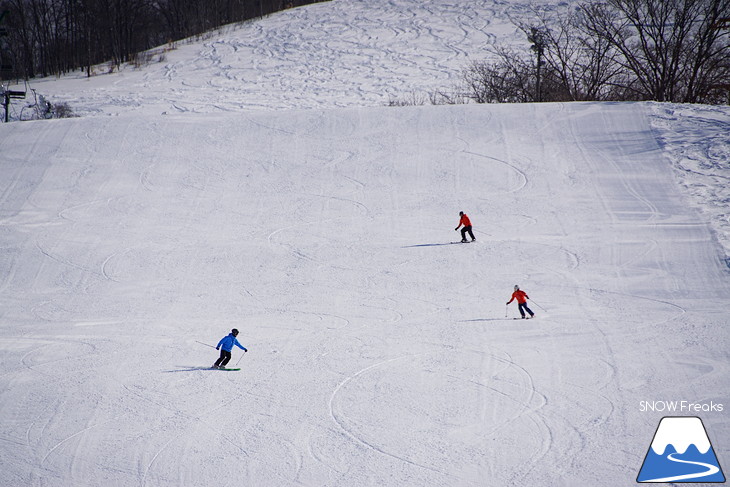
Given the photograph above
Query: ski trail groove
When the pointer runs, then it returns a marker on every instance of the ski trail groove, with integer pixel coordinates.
(353, 437)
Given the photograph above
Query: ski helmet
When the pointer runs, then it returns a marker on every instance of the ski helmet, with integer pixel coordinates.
(461, 213)
(517, 287)
(234, 332)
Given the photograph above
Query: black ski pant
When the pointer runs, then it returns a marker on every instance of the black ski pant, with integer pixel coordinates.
(523, 307)
(223, 359)
(464, 232)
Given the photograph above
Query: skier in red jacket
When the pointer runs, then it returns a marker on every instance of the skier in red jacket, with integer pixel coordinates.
(521, 297)
(464, 220)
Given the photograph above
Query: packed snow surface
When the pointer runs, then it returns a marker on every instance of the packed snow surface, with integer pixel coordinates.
(381, 352)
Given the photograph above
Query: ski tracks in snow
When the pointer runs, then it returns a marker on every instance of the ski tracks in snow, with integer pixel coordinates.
(509, 403)
(341, 421)
(344, 54)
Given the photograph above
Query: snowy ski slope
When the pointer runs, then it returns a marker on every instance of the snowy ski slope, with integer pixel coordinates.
(379, 352)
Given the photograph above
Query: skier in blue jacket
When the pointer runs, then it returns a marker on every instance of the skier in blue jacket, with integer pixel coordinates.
(225, 346)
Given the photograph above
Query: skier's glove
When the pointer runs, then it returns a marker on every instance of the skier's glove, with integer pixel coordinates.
(217, 348)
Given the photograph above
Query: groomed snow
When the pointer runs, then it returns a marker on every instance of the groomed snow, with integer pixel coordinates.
(379, 352)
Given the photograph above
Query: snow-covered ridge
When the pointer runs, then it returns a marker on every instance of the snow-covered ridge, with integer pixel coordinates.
(335, 54)
(696, 139)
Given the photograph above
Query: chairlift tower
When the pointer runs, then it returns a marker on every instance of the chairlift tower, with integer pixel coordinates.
(537, 38)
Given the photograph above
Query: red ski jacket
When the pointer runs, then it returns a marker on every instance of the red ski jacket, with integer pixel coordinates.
(464, 221)
(520, 295)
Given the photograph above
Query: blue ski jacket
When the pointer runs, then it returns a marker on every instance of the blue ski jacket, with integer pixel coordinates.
(227, 343)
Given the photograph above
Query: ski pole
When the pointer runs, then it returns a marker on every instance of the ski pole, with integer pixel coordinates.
(211, 346)
(506, 309)
(536, 304)
(239, 360)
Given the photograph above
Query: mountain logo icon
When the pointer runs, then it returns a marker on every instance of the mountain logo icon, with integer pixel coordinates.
(681, 452)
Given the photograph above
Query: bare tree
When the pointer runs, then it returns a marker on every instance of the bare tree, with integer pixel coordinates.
(670, 46)
(48, 37)
(708, 55)
(579, 66)
(507, 80)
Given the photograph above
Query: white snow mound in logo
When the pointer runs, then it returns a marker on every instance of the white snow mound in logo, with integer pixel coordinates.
(680, 432)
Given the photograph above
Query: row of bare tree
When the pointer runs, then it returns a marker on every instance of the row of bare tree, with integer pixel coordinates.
(46, 37)
(663, 50)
